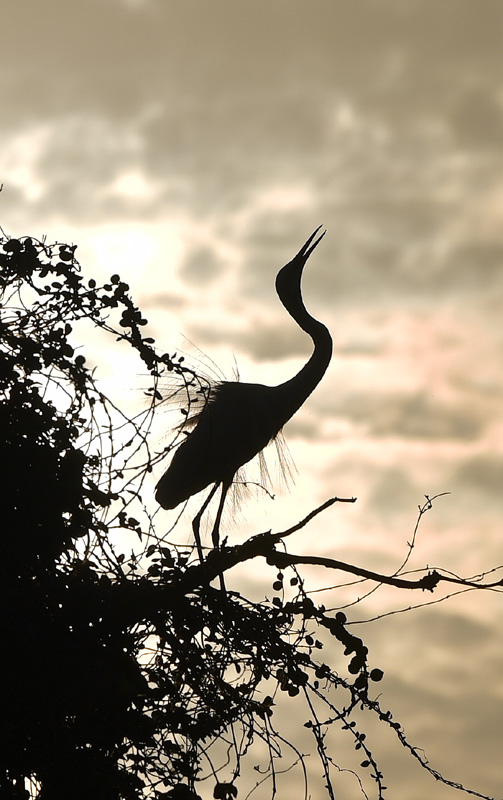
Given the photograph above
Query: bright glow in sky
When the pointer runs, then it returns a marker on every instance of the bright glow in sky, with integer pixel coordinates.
(192, 148)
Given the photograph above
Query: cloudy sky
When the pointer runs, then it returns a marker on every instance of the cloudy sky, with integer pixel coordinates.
(193, 147)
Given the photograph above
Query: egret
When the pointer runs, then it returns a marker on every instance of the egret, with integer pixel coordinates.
(240, 419)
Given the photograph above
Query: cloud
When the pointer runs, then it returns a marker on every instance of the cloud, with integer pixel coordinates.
(420, 417)
(127, 116)
(477, 118)
(201, 266)
(473, 266)
(480, 476)
(75, 166)
(412, 415)
(262, 341)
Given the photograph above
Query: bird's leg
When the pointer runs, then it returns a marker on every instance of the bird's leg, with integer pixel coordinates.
(215, 533)
(196, 522)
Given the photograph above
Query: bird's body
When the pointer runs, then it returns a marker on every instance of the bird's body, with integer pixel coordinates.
(240, 419)
(237, 422)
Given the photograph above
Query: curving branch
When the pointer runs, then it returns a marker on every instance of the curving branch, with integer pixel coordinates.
(264, 544)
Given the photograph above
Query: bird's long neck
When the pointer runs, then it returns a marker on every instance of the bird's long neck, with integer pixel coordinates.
(295, 391)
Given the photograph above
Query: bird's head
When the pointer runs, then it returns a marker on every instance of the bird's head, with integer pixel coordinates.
(289, 277)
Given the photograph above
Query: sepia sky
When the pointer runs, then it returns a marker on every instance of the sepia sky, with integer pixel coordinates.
(193, 147)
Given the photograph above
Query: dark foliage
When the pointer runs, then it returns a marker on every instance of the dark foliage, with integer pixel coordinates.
(120, 673)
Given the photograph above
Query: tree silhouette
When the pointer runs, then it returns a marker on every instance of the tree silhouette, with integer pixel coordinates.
(132, 676)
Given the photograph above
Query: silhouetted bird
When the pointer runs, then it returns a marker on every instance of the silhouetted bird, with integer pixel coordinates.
(240, 419)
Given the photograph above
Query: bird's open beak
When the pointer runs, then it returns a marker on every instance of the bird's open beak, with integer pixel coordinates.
(306, 249)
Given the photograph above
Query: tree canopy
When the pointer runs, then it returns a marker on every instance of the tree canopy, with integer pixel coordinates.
(129, 676)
